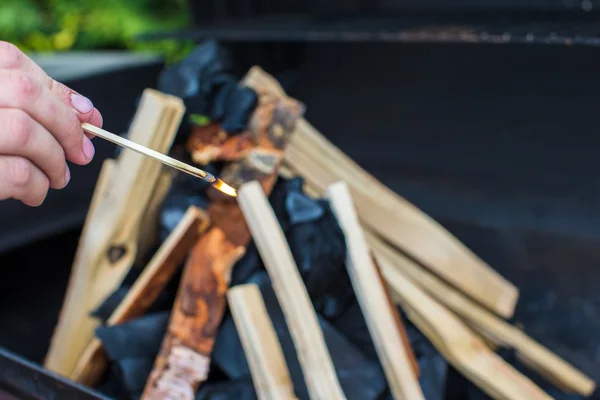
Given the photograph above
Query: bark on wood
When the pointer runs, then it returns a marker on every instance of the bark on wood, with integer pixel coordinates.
(300, 316)
(107, 251)
(394, 218)
(372, 296)
(405, 339)
(183, 361)
(145, 290)
(263, 352)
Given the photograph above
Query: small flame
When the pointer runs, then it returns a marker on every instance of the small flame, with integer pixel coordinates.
(225, 188)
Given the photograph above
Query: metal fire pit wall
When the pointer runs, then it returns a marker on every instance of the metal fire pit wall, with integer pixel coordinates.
(22, 380)
(555, 22)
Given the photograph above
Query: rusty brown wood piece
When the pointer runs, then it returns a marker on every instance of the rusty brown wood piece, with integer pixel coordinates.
(411, 354)
(182, 364)
(145, 290)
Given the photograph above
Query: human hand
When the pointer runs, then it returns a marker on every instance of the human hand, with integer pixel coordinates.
(40, 129)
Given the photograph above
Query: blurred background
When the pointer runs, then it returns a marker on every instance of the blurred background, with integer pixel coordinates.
(75, 25)
(482, 113)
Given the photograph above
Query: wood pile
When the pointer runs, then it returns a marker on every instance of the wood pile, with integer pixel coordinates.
(395, 255)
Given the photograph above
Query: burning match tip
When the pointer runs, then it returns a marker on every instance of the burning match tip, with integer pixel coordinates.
(225, 188)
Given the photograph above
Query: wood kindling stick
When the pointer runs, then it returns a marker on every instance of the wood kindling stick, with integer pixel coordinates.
(317, 366)
(486, 323)
(393, 217)
(263, 351)
(146, 289)
(286, 173)
(107, 250)
(373, 299)
(457, 343)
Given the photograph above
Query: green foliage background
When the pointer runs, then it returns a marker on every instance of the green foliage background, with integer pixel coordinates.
(62, 25)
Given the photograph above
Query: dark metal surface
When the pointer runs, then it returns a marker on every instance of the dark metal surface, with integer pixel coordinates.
(499, 144)
(23, 380)
(527, 28)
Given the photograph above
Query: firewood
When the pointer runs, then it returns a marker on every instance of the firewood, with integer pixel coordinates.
(487, 324)
(145, 290)
(317, 366)
(149, 225)
(459, 345)
(286, 173)
(373, 299)
(263, 352)
(494, 330)
(79, 279)
(183, 361)
(394, 218)
(107, 250)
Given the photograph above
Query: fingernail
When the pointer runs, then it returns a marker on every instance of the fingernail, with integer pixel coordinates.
(67, 176)
(81, 104)
(88, 148)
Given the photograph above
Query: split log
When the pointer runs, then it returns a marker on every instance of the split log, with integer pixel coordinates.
(487, 324)
(317, 366)
(457, 343)
(373, 299)
(263, 351)
(150, 223)
(145, 290)
(394, 218)
(107, 250)
(183, 361)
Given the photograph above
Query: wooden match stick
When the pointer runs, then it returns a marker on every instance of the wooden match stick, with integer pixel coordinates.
(163, 158)
(317, 367)
(391, 216)
(146, 289)
(373, 299)
(263, 352)
(486, 323)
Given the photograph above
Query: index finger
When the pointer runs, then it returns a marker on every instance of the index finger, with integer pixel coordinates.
(13, 58)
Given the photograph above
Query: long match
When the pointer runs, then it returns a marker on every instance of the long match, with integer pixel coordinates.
(170, 161)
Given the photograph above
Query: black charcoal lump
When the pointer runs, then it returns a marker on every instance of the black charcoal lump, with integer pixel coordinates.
(360, 378)
(317, 244)
(132, 348)
(203, 81)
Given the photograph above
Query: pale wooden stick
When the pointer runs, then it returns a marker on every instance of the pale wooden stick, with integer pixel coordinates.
(265, 358)
(107, 251)
(458, 344)
(486, 323)
(73, 306)
(287, 173)
(391, 216)
(149, 225)
(318, 369)
(145, 290)
(373, 299)
(495, 331)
